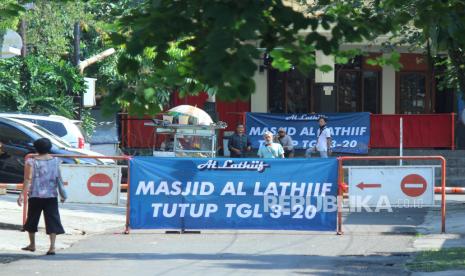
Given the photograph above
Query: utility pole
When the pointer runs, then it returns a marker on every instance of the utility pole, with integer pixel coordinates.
(22, 32)
(25, 77)
(76, 60)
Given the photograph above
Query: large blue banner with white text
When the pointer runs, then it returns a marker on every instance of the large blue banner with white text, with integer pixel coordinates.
(196, 193)
(350, 131)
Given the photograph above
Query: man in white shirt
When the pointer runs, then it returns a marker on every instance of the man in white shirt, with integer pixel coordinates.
(323, 143)
(269, 149)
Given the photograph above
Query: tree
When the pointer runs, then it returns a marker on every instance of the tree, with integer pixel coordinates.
(196, 45)
(50, 86)
(441, 26)
(436, 27)
(10, 11)
(50, 27)
(49, 82)
(224, 38)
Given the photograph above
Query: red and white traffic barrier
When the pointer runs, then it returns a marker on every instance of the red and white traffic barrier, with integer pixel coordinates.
(344, 186)
(450, 190)
(19, 186)
(11, 186)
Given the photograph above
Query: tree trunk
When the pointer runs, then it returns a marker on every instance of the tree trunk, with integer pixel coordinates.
(458, 60)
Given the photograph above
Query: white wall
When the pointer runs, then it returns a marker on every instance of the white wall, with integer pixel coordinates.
(322, 59)
(259, 99)
(388, 90)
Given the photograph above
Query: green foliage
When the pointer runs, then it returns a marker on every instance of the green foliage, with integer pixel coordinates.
(438, 260)
(226, 37)
(437, 27)
(392, 59)
(446, 73)
(88, 122)
(51, 25)
(10, 11)
(145, 90)
(187, 46)
(51, 86)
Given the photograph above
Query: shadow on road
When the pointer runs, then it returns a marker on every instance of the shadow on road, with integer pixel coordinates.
(323, 265)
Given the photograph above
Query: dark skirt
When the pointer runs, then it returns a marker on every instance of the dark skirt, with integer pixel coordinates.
(51, 215)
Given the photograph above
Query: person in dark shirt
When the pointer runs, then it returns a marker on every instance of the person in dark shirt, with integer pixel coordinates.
(286, 142)
(239, 143)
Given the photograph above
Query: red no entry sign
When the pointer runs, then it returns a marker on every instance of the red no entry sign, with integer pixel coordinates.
(99, 184)
(413, 185)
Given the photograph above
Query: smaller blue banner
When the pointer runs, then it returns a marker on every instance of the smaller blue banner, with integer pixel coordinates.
(350, 131)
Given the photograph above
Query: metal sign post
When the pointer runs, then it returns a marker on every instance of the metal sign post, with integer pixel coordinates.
(401, 138)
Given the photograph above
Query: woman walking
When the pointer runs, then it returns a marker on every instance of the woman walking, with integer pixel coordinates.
(41, 176)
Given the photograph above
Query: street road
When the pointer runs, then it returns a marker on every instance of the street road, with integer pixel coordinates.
(373, 244)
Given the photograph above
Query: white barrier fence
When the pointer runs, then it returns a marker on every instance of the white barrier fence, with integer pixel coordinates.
(92, 184)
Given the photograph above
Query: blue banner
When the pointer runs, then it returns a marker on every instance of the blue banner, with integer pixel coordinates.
(350, 131)
(187, 193)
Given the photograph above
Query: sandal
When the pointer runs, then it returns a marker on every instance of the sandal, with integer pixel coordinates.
(28, 248)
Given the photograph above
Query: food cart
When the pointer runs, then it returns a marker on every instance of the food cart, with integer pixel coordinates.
(186, 140)
(187, 132)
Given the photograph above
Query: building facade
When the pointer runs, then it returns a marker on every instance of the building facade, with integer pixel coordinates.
(354, 87)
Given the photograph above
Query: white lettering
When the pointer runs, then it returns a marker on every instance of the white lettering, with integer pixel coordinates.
(162, 188)
(156, 208)
(145, 188)
(211, 208)
(228, 189)
(204, 186)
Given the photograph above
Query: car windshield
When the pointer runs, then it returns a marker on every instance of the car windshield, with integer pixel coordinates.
(55, 139)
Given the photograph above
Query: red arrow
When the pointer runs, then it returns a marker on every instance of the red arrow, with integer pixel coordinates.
(362, 185)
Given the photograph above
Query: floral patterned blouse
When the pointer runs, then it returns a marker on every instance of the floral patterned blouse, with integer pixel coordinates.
(44, 176)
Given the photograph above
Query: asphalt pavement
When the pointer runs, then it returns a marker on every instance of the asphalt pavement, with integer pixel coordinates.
(372, 244)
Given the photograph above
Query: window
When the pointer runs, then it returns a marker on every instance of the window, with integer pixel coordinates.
(56, 128)
(358, 91)
(288, 92)
(358, 87)
(12, 136)
(349, 91)
(412, 93)
(276, 88)
(371, 92)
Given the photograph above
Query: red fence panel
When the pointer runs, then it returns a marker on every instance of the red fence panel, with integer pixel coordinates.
(419, 131)
(134, 132)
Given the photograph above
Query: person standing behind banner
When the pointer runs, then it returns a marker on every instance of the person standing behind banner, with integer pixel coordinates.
(239, 143)
(323, 140)
(286, 142)
(269, 149)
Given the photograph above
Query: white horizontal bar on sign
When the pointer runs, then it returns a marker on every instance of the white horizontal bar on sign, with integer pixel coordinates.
(100, 184)
(413, 185)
